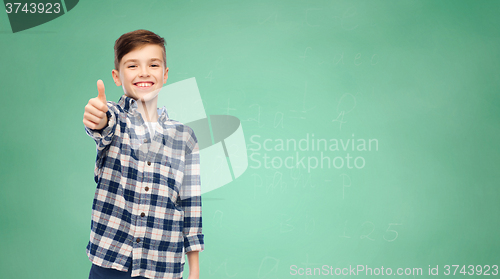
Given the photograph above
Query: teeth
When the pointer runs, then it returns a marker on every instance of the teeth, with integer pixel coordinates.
(144, 84)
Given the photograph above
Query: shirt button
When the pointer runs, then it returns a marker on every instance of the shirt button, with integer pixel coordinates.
(143, 214)
(146, 189)
(149, 163)
(138, 240)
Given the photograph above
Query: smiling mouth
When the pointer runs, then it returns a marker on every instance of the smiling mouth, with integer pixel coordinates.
(144, 84)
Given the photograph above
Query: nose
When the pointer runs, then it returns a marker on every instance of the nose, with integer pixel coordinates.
(144, 72)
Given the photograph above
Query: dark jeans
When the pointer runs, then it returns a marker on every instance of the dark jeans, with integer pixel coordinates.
(97, 272)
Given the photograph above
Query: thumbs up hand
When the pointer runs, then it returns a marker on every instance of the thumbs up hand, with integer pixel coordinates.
(95, 116)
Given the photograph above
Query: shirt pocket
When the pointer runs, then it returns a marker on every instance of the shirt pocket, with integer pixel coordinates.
(172, 157)
(129, 165)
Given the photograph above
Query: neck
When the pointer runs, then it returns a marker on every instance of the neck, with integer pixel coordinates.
(148, 109)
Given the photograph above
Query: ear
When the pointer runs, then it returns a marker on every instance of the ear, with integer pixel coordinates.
(165, 76)
(116, 77)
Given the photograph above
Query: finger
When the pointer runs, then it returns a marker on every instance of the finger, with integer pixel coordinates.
(98, 104)
(96, 108)
(100, 89)
(92, 118)
(89, 124)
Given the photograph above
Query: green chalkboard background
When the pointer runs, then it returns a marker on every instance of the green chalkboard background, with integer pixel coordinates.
(420, 79)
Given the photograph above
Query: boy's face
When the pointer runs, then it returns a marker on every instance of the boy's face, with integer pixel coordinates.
(141, 72)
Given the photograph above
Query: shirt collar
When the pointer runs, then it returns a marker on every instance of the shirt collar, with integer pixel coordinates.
(130, 106)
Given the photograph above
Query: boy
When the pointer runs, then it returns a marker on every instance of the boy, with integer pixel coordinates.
(146, 211)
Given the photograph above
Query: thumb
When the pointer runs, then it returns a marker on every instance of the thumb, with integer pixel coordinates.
(100, 89)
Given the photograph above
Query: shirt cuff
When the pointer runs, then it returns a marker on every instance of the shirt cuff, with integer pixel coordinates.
(194, 243)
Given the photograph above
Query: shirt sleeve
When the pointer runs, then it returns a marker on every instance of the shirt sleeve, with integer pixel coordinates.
(190, 198)
(104, 136)
(103, 139)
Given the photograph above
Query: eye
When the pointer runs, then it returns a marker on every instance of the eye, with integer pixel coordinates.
(155, 65)
(131, 66)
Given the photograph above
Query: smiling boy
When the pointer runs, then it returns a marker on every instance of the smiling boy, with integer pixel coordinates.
(146, 212)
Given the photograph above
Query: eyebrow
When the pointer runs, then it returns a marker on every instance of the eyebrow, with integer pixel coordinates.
(135, 60)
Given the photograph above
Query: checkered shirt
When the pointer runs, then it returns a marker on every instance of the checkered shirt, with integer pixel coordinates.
(146, 212)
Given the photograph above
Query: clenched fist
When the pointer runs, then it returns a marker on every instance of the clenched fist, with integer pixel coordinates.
(95, 116)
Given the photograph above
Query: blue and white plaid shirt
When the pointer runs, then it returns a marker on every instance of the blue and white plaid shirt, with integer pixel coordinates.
(147, 206)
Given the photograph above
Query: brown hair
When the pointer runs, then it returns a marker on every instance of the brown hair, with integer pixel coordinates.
(136, 39)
